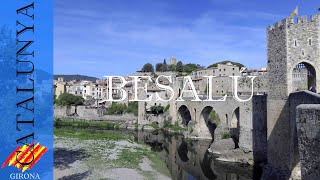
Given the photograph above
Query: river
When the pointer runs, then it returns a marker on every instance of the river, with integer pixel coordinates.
(109, 154)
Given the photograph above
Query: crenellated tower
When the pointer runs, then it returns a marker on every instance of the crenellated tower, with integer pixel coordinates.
(293, 44)
(293, 61)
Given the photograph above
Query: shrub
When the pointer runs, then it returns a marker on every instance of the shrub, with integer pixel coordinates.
(154, 125)
(116, 109)
(133, 108)
(226, 135)
(157, 109)
(214, 117)
(67, 99)
(167, 108)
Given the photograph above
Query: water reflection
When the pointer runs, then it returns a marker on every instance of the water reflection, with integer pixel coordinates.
(189, 159)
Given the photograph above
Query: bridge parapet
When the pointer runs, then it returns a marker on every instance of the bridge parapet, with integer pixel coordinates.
(308, 130)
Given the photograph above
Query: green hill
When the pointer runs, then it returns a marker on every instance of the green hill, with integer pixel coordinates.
(75, 77)
(225, 62)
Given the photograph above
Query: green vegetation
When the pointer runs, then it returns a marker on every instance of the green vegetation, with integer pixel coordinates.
(85, 134)
(69, 122)
(214, 118)
(129, 153)
(188, 68)
(147, 68)
(179, 67)
(116, 109)
(226, 135)
(225, 62)
(172, 67)
(175, 127)
(67, 99)
(157, 109)
(154, 125)
(75, 77)
(132, 108)
(119, 109)
(154, 75)
(167, 108)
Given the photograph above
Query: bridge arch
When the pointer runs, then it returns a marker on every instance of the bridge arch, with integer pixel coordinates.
(184, 115)
(235, 125)
(303, 77)
(208, 121)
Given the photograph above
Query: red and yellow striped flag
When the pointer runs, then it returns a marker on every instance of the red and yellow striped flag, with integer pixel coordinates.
(25, 157)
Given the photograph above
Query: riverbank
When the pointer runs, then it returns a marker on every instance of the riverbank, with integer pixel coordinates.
(107, 150)
(96, 154)
(103, 124)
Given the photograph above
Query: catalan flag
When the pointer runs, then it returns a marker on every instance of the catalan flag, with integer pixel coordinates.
(25, 157)
(294, 13)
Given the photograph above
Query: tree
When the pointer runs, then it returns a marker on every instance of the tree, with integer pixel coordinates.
(179, 67)
(66, 99)
(225, 62)
(191, 67)
(159, 67)
(157, 109)
(117, 109)
(164, 66)
(147, 68)
(172, 67)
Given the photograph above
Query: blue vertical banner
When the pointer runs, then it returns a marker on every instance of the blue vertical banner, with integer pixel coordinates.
(26, 89)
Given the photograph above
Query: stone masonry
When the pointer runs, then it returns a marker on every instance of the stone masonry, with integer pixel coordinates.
(308, 129)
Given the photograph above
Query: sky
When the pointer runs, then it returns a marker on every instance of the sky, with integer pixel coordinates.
(104, 37)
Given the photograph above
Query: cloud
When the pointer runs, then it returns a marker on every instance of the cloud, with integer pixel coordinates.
(95, 37)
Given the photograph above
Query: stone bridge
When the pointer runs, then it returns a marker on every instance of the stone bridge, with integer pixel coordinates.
(247, 119)
(293, 141)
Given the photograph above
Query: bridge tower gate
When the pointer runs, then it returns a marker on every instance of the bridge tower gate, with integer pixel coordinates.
(291, 45)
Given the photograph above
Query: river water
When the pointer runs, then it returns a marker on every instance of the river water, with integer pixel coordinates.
(184, 159)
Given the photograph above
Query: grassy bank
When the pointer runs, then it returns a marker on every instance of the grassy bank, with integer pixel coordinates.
(109, 149)
(84, 134)
(96, 124)
(78, 123)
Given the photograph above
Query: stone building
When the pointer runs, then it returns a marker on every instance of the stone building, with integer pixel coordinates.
(293, 48)
(59, 87)
(75, 88)
(173, 61)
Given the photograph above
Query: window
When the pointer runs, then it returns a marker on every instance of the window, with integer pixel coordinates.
(295, 43)
(302, 52)
(310, 42)
(232, 68)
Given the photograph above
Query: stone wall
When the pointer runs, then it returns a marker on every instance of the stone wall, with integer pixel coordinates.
(85, 112)
(82, 112)
(283, 152)
(253, 127)
(62, 111)
(308, 130)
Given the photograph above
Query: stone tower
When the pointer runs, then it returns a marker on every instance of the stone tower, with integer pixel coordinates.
(291, 44)
(173, 61)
